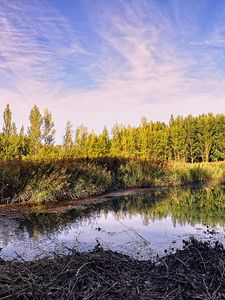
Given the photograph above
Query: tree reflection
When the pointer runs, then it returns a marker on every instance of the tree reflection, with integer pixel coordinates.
(184, 205)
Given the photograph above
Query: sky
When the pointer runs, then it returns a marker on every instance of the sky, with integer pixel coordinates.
(101, 62)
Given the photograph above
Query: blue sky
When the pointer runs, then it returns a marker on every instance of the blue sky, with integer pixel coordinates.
(101, 62)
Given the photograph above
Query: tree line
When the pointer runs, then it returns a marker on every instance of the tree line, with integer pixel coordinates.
(189, 139)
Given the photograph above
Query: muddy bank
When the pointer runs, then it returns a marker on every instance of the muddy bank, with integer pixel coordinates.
(195, 272)
(67, 205)
(82, 203)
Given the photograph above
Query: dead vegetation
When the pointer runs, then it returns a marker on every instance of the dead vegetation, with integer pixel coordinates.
(195, 272)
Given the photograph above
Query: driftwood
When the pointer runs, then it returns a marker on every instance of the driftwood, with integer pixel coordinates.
(196, 272)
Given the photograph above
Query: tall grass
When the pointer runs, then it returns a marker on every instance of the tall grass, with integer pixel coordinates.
(41, 181)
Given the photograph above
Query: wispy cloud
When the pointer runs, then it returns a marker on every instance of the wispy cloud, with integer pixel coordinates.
(147, 67)
(36, 45)
(145, 61)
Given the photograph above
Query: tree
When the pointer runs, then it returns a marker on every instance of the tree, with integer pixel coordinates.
(34, 131)
(21, 131)
(7, 126)
(177, 138)
(145, 134)
(68, 137)
(117, 145)
(48, 134)
(14, 129)
(192, 142)
(90, 148)
(186, 139)
(81, 141)
(103, 143)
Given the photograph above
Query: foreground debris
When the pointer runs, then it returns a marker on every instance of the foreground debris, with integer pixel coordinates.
(195, 272)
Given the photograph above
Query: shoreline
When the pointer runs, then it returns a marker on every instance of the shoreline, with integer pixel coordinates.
(83, 203)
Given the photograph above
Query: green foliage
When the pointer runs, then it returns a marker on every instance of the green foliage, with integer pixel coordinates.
(56, 180)
(14, 146)
(153, 153)
(68, 137)
(141, 173)
(89, 179)
(7, 116)
(48, 134)
(184, 139)
(34, 131)
(50, 185)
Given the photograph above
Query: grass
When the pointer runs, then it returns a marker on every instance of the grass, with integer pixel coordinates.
(40, 181)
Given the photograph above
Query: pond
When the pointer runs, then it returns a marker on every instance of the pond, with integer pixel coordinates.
(142, 225)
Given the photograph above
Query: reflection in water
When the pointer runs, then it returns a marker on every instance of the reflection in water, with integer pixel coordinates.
(139, 225)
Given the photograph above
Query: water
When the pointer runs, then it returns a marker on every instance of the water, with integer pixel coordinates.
(141, 226)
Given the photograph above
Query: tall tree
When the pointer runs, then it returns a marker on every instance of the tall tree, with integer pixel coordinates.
(48, 130)
(34, 131)
(81, 140)
(117, 147)
(103, 143)
(68, 137)
(91, 145)
(7, 116)
(14, 129)
(177, 138)
(21, 133)
(192, 143)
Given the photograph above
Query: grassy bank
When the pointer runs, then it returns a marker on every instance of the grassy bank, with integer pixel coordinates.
(195, 272)
(40, 181)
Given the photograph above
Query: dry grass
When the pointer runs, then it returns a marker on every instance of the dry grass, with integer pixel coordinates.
(196, 272)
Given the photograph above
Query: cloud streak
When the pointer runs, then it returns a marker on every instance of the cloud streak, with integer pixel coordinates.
(36, 45)
(145, 62)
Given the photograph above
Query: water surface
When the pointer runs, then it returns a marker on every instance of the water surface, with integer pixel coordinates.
(141, 226)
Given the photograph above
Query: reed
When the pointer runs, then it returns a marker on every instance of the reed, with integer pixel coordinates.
(38, 181)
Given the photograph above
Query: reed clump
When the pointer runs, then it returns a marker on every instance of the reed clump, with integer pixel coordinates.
(38, 181)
